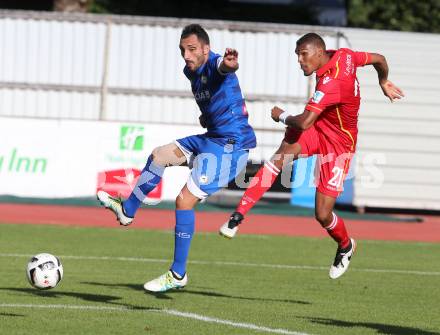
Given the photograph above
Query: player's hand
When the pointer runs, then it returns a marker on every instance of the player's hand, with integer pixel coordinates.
(276, 112)
(202, 120)
(230, 59)
(391, 91)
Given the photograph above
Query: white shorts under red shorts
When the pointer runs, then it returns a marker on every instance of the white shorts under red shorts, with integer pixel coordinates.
(333, 159)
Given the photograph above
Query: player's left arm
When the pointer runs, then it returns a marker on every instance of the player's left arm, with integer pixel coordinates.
(302, 121)
(229, 62)
(380, 64)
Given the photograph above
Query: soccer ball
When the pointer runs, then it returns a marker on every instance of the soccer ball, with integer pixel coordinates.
(44, 271)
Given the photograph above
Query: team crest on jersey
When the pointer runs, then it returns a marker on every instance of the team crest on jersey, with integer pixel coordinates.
(326, 80)
(317, 97)
(203, 79)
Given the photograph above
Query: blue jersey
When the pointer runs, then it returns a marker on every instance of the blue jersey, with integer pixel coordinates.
(222, 104)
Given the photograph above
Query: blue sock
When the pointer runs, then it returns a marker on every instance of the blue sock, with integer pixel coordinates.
(149, 178)
(184, 232)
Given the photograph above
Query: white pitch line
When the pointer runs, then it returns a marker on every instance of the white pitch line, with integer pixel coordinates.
(172, 312)
(230, 323)
(222, 263)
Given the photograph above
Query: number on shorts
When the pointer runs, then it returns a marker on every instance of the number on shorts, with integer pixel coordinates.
(338, 174)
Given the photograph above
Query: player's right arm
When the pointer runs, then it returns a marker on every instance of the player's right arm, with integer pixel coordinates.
(302, 121)
(327, 94)
(380, 64)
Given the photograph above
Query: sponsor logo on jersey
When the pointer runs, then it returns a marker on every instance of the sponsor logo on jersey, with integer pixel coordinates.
(202, 95)
(317, 97)
(349, 66)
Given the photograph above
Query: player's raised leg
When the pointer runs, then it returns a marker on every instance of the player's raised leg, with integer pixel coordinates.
(261, 182)
(151, 175)
(115, 204)
(335, 227)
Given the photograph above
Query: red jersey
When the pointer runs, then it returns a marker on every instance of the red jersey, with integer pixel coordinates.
(337, 97)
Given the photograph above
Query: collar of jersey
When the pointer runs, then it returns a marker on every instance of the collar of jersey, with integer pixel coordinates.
(331, 63)
(200, 69)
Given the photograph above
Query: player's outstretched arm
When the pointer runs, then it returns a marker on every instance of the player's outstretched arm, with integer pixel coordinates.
(302, 121)
(389, 89)
(230, 61)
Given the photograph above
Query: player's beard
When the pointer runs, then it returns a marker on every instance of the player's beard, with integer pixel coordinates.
(197, 63)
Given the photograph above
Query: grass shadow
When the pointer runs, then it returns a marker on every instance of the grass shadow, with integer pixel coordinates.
(136, 287)
(168, 295)
(60, 294)
(228, 296)
(106, 299)
(11, 314)
(380, 328)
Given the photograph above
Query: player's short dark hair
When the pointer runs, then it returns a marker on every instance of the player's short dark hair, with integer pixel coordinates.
(311, 38)
(195, 29)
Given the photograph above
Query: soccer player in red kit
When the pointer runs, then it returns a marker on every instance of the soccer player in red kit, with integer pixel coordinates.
(327, 128)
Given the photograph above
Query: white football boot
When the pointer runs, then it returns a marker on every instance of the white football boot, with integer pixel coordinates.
(342, 260)
(166, 282)
(230, 228)
(115, 205)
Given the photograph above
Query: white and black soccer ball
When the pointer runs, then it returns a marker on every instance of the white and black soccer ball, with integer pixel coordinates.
(44, 271)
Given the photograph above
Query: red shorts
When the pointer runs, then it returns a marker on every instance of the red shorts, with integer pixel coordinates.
(333, 159)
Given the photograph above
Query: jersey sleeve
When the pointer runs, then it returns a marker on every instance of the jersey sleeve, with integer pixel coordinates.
(361, 58)
(326, 95)
(214, 65)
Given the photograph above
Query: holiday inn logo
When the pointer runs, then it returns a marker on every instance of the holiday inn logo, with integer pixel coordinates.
(15, 162)
(131, 138)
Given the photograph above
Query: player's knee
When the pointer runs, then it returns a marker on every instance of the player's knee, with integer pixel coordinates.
(155, 154)
(159, 156)
(324, 217)
(182, 203)
(284, 156)
(291, 149)
(282, 148)
(179, 201)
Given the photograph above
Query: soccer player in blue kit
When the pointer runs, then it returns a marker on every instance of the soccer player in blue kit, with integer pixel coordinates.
(215, 158)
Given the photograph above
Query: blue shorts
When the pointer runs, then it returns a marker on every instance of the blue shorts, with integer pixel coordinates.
(212, 165)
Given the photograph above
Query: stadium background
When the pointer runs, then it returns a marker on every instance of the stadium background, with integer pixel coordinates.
(74, 85)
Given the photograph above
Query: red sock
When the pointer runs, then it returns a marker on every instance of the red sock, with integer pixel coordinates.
(261, 182)
(336, 229)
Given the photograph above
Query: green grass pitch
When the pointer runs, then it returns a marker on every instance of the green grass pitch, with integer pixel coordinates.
(250, 285)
